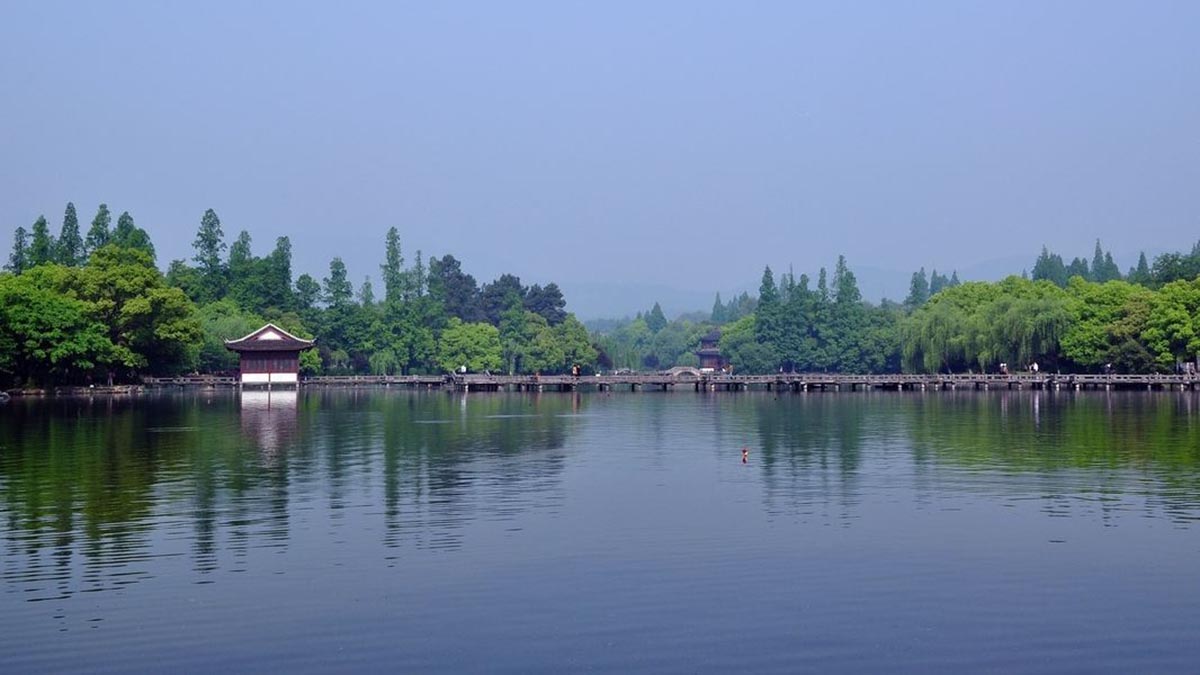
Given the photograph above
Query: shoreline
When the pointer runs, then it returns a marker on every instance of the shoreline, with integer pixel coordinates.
(681, 381)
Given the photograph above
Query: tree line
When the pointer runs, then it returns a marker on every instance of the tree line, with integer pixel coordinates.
(77, 309)
(81, 307)
(1078, 317)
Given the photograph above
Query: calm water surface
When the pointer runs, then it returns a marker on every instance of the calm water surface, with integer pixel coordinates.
(435, 532)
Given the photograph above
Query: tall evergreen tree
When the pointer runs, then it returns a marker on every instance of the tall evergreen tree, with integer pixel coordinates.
(547, 303)
(513, 325)
(918, 290)
(393, 267)
(243, 279)
(41, 248)
(1141, 273)
(338, 289)
(366, 293)
(1079, 268)
(18, 260)
(209, 244)
(1098, 267)
(239, 253)
(847, 321)
(845, 283)
(128, 235)
(420, 276)
(655, 319)
(718, 311)
(1111, 271)
(70, 243)
(308, 292)
(495, 297)
(456, 291)
(1050, 267)
(278, 286)
(769, 319)
(937, 283)
(98, 234)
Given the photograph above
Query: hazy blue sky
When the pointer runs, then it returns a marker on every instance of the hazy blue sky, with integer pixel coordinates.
(672, 144)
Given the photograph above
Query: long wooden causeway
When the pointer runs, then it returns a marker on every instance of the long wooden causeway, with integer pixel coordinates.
(708, 382)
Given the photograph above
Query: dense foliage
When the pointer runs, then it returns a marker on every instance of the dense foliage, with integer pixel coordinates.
(77, 309)
(95, 307)
(1085, 316)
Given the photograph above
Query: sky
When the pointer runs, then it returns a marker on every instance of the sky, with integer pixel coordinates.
(619, 148)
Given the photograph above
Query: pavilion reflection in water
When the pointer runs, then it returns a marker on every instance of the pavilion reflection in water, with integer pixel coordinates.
(269, 419)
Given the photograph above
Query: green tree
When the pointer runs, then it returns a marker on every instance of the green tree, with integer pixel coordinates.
(718, 311)
(456, 291)
(338, 289)
(541, 350)
(1172, 331)
(384, 362)
(937, 283)
(152, 327)
(575, 343)
(186, 278)
(1098, 268)
(220, 321)
(366, 293)
(474, 345)
(548, 303)
(70, 243)
(277, 290)
(513, 334)
(768, 324)
(1050, 267)
(394, 282)
(1141, 274)
(495, 297)
(241, 273)
(846, 320)
(419, 275)
(1090, 341)
(98, 234)
(46, 334)
(1111, 271)
(128, 235)
(209, 245)
(18, 260)
(655, 319)
(41, 246)
(308, 292)
(918, 290)
(745, 353)
(1079, 268)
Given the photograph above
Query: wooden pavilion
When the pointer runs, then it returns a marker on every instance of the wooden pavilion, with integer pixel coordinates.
(269, 356)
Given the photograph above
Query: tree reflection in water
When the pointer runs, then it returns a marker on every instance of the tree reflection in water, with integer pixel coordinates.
(95, 492)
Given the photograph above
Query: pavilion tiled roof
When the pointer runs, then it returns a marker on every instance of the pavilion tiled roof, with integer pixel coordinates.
(269, 338)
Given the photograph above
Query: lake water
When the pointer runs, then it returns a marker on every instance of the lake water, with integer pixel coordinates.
(396, 531)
